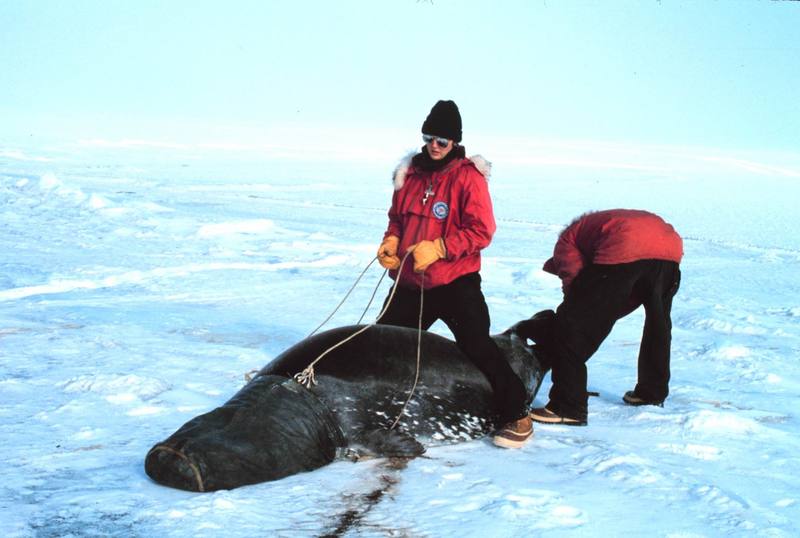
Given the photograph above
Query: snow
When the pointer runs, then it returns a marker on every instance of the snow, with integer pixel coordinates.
(137, 295)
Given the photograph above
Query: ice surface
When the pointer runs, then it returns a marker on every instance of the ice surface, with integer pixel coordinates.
(134, 297)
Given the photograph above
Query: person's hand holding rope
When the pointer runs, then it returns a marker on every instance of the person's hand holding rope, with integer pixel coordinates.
(387, 252)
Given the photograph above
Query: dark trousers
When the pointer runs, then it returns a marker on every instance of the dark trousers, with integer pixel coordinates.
(462, 307)
(597, 298)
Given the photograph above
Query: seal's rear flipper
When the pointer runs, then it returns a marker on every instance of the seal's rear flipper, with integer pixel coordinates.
(387, 443)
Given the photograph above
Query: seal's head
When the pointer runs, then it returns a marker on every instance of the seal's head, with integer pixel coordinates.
(272, 428)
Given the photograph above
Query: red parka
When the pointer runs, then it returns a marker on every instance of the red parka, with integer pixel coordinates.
(611, 237)
(459, 211)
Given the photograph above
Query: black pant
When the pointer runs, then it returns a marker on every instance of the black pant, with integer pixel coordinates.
(597, 298)
(462, 307)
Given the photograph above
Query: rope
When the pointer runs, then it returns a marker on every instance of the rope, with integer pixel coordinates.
(307, 377)
(348, 295)
(249, 376)
(371, 298)
(419, 350)
(192, 465)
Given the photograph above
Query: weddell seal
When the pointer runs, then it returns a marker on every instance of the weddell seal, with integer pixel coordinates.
(275, 427)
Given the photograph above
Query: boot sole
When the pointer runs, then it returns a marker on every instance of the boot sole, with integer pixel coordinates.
(637, 402)
(504, 442)
(558, 421)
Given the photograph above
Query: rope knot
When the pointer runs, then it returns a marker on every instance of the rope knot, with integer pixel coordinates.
(306, 377)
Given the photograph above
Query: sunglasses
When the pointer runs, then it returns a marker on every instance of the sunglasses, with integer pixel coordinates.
(441, 142)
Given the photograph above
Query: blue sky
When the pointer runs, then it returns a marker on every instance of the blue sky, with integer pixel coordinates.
(720, 75)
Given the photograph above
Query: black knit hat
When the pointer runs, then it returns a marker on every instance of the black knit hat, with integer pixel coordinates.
(444, 120)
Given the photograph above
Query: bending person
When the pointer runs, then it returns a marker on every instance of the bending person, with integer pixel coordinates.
(609, 262)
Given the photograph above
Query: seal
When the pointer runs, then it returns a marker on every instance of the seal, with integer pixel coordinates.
(275, 427)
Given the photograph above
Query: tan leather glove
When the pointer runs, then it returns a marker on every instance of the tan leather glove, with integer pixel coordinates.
(387, 252)
(427, 252)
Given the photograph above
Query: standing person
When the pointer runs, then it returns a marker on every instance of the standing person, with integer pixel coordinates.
(441, 213)
(610, 262)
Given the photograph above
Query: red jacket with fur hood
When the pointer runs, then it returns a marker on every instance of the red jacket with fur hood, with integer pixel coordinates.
(459, 211)
(611, 237)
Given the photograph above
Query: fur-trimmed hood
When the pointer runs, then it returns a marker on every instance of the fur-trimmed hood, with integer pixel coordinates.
(399, 175)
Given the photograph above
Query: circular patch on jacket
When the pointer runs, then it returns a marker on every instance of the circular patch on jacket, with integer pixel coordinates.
(440, 210)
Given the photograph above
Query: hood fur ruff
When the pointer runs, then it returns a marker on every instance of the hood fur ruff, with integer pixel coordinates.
(399, 176)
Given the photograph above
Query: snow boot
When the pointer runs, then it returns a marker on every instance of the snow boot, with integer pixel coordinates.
(631, 398)
(545, 416)
(514, 434)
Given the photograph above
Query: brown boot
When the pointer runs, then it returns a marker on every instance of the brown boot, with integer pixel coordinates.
(514, 434)
(545, 416)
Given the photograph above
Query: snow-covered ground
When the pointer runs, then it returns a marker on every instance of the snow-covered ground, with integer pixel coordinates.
(136, 296)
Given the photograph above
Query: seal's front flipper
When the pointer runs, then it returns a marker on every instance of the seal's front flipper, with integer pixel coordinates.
(387, 443)
(538, 328)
